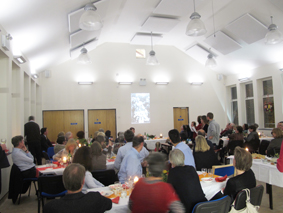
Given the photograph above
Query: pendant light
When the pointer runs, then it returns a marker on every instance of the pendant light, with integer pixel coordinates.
(84, 57)
(273, 36)
(151, 59)
(90, 20)
(210, 62)
(196, 27)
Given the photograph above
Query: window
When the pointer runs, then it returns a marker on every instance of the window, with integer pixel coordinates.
(250, 115)
(234, 105)
(268, 104)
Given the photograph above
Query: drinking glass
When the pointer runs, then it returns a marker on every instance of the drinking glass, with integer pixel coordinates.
(47, 163)
(209, 171)
(204, 171)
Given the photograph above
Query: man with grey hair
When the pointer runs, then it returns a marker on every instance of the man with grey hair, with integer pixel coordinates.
(185, 181)
(68, 135)
(75, 201)
(228, 130)
(101, 130)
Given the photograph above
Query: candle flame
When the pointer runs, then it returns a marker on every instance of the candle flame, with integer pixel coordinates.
(247, 149)
(80, 145)
(136, 179)
(64, 159)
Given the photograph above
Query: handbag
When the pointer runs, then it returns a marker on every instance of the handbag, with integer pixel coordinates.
(250, 208)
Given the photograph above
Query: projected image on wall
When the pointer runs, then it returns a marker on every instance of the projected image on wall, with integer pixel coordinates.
(140, 105)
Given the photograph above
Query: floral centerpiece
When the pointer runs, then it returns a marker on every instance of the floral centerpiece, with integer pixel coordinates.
(165, 176)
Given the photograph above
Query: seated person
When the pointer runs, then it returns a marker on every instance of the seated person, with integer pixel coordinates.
(244, 178)
(157, 147)
(184, 133)
(75, 201)
(175, 139)
(81, 138)
(151, 194)
(252, 141)
(44, 141)
(204, 155)
(70, 148)
(202, 133)
(120, 136)
(245, 129)
(101, 139)
(228, 130)
(185, 181)
(235, 139)
(83, 157)
(280, 160)
(120, 142)
(60, 144)
(275, 144)
(131, 164)
(22, 158)
(122, 152)
(98, 158)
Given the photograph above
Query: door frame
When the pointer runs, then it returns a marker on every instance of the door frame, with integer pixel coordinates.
(188, 113)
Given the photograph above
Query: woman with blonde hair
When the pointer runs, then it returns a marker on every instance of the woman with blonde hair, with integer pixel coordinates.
(70, 148)
(157, 147)
(275, 144)
(203, 154)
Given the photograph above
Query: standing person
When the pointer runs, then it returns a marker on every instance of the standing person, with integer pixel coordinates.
(133, 130)
(213, 129)
(32, 133)
(204, 123)
(175, 139)
(4, 163)
(45, 142)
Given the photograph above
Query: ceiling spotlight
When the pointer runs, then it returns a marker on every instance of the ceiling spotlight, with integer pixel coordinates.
(151, 59)
(273, 36)
(20, 59)
(195, 27)
(210, 62)
(90, 20)
(35, 76)
(84, 57)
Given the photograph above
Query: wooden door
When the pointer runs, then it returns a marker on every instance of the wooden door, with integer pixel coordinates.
(63, 120)
(181, 117)
(102, 118)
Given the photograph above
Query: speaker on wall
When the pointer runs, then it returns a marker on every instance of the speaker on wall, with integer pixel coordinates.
(47, 73)
(219, 77)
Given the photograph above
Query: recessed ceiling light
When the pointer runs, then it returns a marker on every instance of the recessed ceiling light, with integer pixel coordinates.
(244, 79)
(196, 83)
(125, 83)
(161, 83)
(20, 59)
(35, 76)
(85, 83)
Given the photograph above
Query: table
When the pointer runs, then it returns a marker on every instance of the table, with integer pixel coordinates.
(59, 171)
(209, 189)
(151, 143)
(226, 139)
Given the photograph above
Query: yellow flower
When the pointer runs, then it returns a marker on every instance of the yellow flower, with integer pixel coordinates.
(164, 171)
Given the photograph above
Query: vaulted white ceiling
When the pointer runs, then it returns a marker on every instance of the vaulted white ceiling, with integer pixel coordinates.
(46, 31)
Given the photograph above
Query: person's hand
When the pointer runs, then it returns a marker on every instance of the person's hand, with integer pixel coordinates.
(210, 137)
(4, 147)
(24, 148)
(144, 163)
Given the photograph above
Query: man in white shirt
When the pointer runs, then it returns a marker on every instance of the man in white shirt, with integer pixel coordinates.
(22, 158)
(122, 151)
(213, 130)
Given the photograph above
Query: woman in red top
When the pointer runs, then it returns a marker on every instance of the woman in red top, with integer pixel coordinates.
(151, 194)
(280, 160)
(199, 126)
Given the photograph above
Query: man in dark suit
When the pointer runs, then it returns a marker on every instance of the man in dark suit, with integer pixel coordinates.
(32, 133)
(75, 201)
(45, 142)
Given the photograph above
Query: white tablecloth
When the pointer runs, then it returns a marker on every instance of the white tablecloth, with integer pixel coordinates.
(151, 143)
(226, 140)
(109, 165)
(209, 189)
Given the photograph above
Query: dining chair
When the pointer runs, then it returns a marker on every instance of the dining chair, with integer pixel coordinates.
(50, 152)
(255, 197)
(106, 177)
(223, 170)
(50, 187)
(221, 205)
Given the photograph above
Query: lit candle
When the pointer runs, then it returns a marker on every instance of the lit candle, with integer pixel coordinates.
(160, 135)
(136, 179)
(258, 133)
(80, 145)
(247, 149)
(64, 160)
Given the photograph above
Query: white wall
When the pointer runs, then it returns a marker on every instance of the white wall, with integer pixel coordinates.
(114, 62)
(256, 77)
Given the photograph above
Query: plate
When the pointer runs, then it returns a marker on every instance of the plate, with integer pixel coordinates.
(106, 193)
(207, 180)
(114, 186)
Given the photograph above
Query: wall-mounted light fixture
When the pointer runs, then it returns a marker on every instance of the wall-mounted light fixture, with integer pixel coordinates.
(35, 76)
(281, 69)
(125, 83)
(196, 83)
(244, 79)
(85, 83)
(20, 59)
(161, 83)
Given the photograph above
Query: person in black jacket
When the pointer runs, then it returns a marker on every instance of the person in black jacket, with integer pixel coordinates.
(32, 133)
(45, 142)
(75, 201)
(185, 181)
(204, 155)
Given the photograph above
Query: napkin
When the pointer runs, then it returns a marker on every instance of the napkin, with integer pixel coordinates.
(221, 179)
(116, 200)
(111, 160)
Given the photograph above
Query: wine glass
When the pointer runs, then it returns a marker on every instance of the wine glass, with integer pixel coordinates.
(204, 171)
(209, 171)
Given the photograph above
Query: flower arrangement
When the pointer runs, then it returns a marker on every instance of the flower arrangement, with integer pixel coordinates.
(164, 176)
